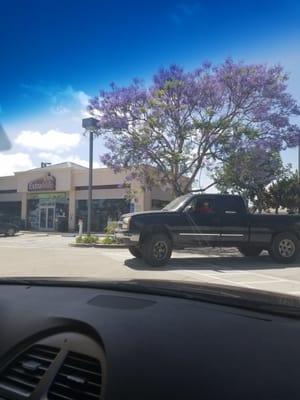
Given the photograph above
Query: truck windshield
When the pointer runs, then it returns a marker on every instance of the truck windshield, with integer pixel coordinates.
(176, 203)
(138, 169)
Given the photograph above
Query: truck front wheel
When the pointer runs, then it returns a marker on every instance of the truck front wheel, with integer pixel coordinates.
(135, 251)
(284, 248)
(157, 250)
(250, 251)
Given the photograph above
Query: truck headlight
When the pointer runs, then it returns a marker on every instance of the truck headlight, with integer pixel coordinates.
(125, 222)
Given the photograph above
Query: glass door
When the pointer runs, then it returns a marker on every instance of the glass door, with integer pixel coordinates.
(50, 218)
(47, 218)
(43, 218)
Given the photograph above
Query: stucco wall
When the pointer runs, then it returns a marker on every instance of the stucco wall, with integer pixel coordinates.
(8, 182)
(101, 194)
(10, 196)
(101, 176)
(159, 194)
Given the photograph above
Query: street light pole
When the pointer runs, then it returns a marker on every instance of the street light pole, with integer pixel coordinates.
(299, 159)
(90, 125)
(298, 191)
(90, 196)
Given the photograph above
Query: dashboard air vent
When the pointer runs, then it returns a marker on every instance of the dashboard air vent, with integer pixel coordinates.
(78, 379)
(20, 378)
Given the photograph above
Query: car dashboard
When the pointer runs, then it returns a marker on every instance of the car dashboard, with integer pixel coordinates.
(70, 342)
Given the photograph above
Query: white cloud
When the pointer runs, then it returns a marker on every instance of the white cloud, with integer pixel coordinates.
(85, 163)
(51, 140)
(10, 163)
(60, 110)
(70, 100)
(82, 97)
(56, 159)
(51, 157)
(62, 100)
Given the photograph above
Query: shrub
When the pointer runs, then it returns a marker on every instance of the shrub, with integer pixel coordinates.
(88, 239)
(79, 239)
(111, 227)
(110, 237)
(109, 240)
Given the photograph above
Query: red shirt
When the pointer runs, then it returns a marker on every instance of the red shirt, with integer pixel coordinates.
(205, 210)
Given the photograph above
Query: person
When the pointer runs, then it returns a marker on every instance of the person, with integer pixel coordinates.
(205, 208)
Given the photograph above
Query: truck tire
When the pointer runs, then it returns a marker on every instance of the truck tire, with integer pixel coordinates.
(284, 248)
(157, 250)
(135, 251)
(250, 251)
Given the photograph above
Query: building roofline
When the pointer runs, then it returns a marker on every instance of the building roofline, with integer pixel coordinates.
(59, 166)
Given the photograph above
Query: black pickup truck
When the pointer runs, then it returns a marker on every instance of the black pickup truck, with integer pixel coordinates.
(195, 220)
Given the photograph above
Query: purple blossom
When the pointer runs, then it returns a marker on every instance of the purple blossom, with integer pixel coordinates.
(185, 119)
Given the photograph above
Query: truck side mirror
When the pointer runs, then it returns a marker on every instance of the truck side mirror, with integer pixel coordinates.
(188, 209)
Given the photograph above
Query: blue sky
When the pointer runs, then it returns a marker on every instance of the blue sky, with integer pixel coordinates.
(57, 53)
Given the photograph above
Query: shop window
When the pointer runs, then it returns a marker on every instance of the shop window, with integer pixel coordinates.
(103, 210)
(10, 211)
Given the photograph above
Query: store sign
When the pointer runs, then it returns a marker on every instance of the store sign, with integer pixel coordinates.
(48, 182)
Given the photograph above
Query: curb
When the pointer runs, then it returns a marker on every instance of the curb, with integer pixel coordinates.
(103, 246)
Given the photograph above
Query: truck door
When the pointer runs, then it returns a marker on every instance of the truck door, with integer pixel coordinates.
(203, 223)
(234, 220)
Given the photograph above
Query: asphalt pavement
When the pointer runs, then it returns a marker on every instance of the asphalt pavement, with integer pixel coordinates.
(43, 255)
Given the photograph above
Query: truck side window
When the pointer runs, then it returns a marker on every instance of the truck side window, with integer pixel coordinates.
(231, 205)
(191, 207)
(205, 207)
(202, 206)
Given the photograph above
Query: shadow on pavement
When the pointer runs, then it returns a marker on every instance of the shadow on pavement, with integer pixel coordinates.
(219, 264)
(2, 235)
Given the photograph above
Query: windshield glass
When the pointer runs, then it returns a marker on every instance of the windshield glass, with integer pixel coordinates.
(113, 114)
(176, 203)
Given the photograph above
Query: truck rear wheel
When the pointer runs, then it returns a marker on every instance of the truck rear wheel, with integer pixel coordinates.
(250, 251)
(284, 248)
(157, 250)
(135, 251)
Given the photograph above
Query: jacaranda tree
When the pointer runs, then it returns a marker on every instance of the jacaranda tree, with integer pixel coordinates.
(185, 120)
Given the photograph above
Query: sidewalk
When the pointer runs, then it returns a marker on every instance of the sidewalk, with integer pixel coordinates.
(51, 233)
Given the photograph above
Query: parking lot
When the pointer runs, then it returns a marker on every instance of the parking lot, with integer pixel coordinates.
(38, 254)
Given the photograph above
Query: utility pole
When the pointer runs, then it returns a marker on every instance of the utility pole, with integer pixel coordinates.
(90, 125)
(90, 196)
(298, 191)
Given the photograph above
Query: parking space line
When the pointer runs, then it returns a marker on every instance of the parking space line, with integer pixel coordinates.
(234, 273)
(275, 277)
(258, 274)
(210, 276)
(266, 281)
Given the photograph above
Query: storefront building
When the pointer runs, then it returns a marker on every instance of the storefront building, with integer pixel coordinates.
(54, 197)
